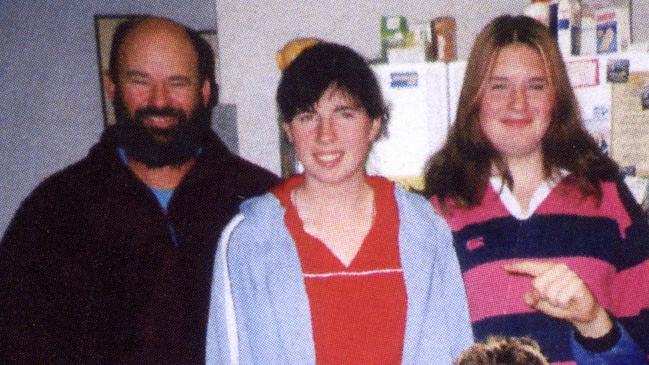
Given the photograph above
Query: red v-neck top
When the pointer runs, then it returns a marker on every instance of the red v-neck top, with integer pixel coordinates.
(358, 313)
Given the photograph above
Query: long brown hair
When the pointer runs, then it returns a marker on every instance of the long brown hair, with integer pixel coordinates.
(461, 169)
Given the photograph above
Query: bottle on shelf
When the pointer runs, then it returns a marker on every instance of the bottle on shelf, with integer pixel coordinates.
(569, 26)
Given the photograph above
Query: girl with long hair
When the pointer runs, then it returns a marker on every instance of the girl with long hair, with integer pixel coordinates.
(550, 241)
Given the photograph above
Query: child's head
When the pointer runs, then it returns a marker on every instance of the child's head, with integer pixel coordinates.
(503, 351)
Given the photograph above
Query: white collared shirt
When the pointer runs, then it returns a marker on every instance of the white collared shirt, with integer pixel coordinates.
(511, 203)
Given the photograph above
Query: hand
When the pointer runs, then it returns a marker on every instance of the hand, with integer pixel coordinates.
(559, 292)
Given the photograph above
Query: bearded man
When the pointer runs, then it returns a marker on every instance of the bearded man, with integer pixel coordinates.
(110, 260)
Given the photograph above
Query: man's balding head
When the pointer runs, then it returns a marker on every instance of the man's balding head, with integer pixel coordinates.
(155, 32)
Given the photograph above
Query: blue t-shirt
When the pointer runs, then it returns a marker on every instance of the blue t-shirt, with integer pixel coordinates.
(162, 195)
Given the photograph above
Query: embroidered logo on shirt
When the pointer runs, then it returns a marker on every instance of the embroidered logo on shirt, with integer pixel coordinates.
(474, 243)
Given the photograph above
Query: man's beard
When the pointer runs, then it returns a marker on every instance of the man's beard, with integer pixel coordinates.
(158, 147)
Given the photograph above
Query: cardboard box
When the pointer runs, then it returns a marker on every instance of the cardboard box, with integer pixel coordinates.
(394, 30)
(613, 29)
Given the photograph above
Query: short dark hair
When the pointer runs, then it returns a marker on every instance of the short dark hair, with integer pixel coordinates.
(324, 65)
(201, 46)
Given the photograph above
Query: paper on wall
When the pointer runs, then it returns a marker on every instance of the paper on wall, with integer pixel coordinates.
(630, 122)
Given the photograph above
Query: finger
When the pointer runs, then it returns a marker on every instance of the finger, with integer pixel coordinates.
(553, 311)
(551, 281)
(532, 297)
(532, 268)
(556, 282)
(582, 302)
(565, 295)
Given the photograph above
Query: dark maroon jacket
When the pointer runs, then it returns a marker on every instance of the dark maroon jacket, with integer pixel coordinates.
(88, 270)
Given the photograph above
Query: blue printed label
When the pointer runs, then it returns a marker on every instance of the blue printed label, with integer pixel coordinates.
(404, 79)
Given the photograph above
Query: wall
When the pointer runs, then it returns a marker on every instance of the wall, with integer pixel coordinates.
(252, 31)
(50, 96)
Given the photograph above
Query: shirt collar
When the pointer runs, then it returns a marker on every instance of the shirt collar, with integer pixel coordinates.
(542, 191)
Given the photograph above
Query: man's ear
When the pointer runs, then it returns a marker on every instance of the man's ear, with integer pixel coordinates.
(206, 94)
(287, 131)
(109, 85)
